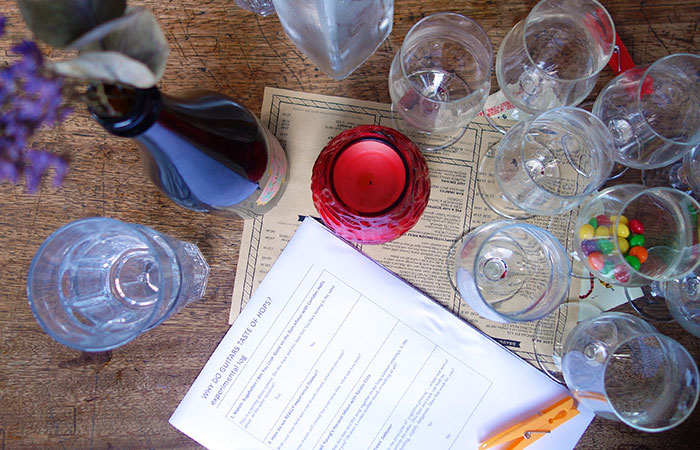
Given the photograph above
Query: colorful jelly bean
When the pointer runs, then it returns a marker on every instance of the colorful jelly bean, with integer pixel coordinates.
(621, 273)
(596, 260)
(588, 246)
(623, 244)
(622, 230)
(603, 220)
(640, 253)
(633, 261)
(586, 231)
(605, 246)
(637, 240)
(607, 267)
(602, 231)
(636, 226)
(593, 223)
(623, 219)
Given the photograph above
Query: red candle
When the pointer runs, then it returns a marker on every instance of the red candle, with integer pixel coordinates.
(369, 176)
(370, 184)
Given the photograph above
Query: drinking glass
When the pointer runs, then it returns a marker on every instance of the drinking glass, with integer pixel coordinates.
(653, 112)
(554, 56)
(510, 271)
(440, 79)
(631, 235)
(621, 368)
(546, 165)
(97, 283)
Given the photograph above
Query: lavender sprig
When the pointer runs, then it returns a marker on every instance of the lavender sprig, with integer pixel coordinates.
(30, 97)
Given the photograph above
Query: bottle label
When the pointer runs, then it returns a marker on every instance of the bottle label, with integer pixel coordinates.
(276, 170)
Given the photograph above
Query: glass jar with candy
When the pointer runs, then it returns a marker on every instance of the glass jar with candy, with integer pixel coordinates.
(631, 235)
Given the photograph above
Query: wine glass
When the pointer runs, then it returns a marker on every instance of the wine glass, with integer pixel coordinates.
(546, 165)
(554, 56)
(509, 271)
(653, 112)
(621, 368)
(440, 79)
(631, 235)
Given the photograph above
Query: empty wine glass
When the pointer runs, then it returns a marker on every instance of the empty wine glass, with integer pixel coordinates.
(546, 165)
(554, 56)
(621, 368)
(440, 79)
(653, 112)
(631, 235)
(509, 271)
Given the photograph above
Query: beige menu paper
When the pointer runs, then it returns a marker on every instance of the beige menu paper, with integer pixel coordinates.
(304, 123)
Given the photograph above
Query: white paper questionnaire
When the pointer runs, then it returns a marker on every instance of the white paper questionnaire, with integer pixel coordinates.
(335, 352)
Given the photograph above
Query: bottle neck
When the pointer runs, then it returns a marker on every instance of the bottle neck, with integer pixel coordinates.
(143, 110)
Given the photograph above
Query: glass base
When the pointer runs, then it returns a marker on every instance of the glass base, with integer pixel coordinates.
(548, 354)
(651, 305)
(427, 142)
(490, 191)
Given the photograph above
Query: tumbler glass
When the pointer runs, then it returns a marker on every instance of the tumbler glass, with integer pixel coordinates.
(510, 271)
(440, 79)
(547, 165)
(554, 56)
(653, 112)
(97, 283)
(630, 235)
(621, 368)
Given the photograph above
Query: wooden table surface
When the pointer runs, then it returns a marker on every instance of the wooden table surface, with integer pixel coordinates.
(52, 396)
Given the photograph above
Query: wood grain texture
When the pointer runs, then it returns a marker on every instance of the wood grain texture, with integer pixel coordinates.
(55, 397)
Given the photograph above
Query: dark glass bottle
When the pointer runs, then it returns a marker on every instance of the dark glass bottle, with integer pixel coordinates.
(203, 150)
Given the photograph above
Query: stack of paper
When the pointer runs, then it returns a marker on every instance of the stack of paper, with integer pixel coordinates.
(335, 352)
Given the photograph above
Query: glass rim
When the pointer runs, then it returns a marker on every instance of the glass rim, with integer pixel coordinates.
(638, 101)
(609, 54)
(487, 75)
(646, 191)
(579, 197)
(499, 226)
(667, 340)
(32, 304)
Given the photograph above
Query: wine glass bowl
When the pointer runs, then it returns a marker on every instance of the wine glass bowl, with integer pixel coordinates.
(440, 79)
(653, 112)
(621, 368)
(630, 235)
(547, 165)
(509, 271)
(553, 57)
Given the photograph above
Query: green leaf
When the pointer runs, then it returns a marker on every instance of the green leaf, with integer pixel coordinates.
(137, 34)
(60, 22)
(107, 67)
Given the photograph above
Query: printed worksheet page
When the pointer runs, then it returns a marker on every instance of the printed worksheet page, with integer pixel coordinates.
(335, 352)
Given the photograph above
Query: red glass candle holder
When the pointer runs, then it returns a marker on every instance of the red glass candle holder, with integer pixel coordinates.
(370, 184)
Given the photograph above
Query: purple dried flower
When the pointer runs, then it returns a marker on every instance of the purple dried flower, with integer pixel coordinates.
(30, 97)
(3, 21)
